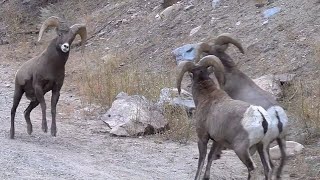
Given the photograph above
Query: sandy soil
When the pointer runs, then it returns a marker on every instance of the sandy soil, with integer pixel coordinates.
(83, 149)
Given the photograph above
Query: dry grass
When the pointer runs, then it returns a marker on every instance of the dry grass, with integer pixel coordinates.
(106, 77)
(181, 128)
(303, 98)
(13, 18)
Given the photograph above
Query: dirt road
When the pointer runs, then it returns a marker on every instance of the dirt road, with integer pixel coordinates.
(82, 151)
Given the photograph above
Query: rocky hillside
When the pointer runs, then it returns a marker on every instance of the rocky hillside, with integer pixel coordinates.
(134, 39)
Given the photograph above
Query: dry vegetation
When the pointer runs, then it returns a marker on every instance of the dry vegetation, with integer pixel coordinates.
(104, 78)
(101, 78)
(181, 126)
(302, 98)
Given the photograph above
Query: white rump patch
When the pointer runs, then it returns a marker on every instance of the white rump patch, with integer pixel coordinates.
(65, 47)
(252, 123)
(273, 111)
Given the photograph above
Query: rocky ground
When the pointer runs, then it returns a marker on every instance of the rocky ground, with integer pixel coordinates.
(84, 150)
(286, 43)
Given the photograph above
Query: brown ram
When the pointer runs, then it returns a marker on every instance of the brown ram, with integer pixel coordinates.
(45, 73)
(241, 87)
(229, 123)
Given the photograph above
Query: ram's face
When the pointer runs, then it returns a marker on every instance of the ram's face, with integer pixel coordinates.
(200, 74)
(64, 40)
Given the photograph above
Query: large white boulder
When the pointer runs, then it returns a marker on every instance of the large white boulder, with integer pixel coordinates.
(293, 148)
(269, 84)
(132, 116)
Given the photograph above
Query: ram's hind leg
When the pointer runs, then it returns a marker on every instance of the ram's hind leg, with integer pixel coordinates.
(214, 154)
(202, 146)
(244, 156)
(282, 146)
(27, 112)
(264, 156)
(18, 92)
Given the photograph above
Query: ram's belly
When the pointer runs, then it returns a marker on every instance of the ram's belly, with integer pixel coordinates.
(30, 91)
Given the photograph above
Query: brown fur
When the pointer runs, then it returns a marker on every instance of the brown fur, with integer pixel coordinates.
(42, 74)
(238, 85)
(218, 117)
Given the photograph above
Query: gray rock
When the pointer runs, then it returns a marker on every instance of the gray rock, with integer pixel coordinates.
(168, 11)
(167, 3)
(269, 84)
(170, 96)
(284, 78)
(132, 116)
(293, 148)
(185, 53)
(271, 12)
(215, 3)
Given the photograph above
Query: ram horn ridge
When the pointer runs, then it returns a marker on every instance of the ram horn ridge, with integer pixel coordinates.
(52, 21)
(182, 68)
(82, 31)
(222, 41)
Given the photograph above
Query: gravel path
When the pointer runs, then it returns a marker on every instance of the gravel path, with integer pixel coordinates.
(82, 150)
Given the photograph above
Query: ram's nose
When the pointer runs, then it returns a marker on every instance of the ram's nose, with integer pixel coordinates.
(65, 47)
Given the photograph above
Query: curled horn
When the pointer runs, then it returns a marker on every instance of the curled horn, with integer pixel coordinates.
(222, 41)
(218, 67)
(182, 68)
(52, 21)
(200, 48)
(82, 31)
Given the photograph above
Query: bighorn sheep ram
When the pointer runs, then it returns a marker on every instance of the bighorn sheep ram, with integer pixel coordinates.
(229, 123)
(240, 87)
(45, 72)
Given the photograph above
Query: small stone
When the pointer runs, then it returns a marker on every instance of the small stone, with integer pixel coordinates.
(194, 30)
(265, 22)
(131, 11)
(189, 7)
(124, 20)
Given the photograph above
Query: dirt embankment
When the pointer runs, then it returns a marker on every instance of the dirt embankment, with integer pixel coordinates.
(82, 149)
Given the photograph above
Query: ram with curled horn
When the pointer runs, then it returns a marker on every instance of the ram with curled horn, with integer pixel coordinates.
(45, 72)
(230, 123)
(239, 86)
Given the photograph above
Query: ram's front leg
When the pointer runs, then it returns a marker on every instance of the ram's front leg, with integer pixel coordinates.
(54, 100)
(40, 97)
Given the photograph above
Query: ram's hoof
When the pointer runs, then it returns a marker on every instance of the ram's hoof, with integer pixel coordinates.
(29, 129)
(11, 134)
(53, 132)
(44, 128)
